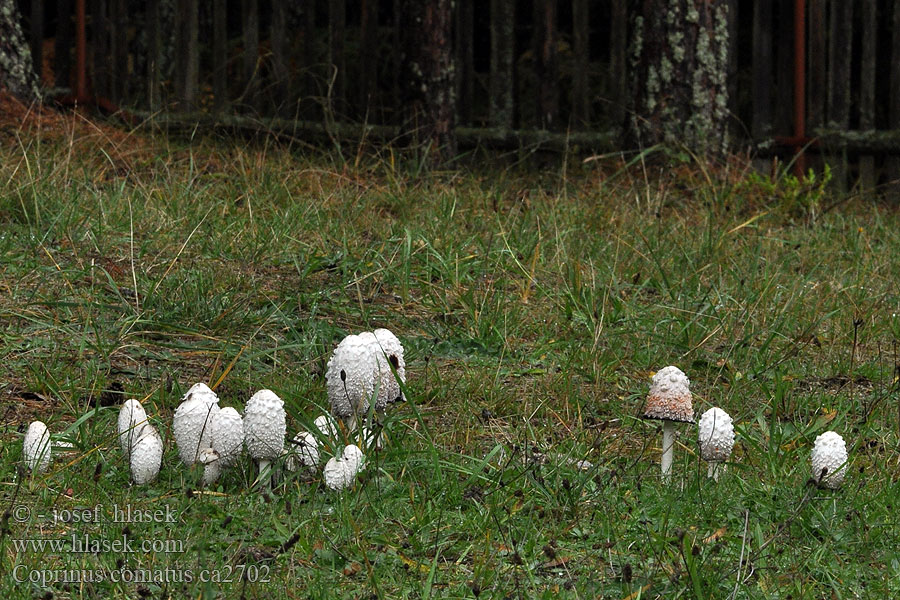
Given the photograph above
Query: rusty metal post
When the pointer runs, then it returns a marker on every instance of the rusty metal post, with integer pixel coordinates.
(81, 91)
(799, 84)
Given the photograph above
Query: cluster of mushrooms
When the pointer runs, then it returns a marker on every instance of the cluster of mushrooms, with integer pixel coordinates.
(365, 374)
(669, 401)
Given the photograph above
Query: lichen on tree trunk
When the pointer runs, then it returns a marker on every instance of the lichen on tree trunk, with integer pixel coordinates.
(16, 71)
(679, 71)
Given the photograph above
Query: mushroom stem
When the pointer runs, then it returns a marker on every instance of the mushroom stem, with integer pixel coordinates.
(263, 468)
(667, 446)
(712, 470)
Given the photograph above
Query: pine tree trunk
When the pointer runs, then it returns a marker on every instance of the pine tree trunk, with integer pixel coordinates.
(503, 21)
(679, 86)
(430, 75)
(16, 71)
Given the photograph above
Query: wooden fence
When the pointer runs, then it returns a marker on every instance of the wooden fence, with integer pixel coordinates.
(521, 65)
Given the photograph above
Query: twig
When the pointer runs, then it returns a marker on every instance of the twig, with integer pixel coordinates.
(737, 581)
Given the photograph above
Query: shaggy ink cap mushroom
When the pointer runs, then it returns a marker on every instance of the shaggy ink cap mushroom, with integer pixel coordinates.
(264, 427)
(340, 472)
(132, 419)
(192, 420)
(389, 359)
(327, 427)
(36, 447)
(227, 442)
(716, 438)
(304, 452)
(829, 460)
(670, 397)
(350, 379)
(146, 455)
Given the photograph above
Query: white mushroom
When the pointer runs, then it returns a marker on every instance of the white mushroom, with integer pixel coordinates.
(36, 448)
(132, 419)
(264, 427)
(669, 401)
(227, 441)
(146, 455)
(390, 349)
(304, 452)
(716, 436)
(191, 423)
(829, 460)
(350, 379)
(340, 472)
(327, 427)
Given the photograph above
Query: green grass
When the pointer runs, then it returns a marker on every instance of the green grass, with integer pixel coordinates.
(533, 307)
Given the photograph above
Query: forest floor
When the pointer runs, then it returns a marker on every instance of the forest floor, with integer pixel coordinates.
(534, 306)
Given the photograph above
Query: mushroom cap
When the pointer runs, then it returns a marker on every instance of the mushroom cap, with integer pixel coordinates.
(388, 352)
(340, 472)
(264, 425)
(369, 439)
(36, 448)
(192, 420)
(305, 452)
(327, 427)
(227, 430)
(350, 377)
(146, 455)
(716, 435)
(132, 419)
(829, 454)
(670, 397)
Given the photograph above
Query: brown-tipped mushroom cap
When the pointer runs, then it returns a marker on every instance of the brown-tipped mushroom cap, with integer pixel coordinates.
(670, 397)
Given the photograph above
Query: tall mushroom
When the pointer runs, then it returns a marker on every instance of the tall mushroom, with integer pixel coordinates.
(36, 447)
(226, 443)
(191, 423)
(132, 419)
(264, 427)
(716, 437)
(829, 460)
(670, 402)
(350, 379)
(145, 455)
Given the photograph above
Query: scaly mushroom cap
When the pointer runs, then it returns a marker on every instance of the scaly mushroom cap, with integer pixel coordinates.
(36, 448)
(327, 427)
(350, 378)
(132, 419)
(264, 425)
(389, 352)
(716, 435)
(227, 430)
(146, 455)
(304, 451)
(670, 397)
(340, 472)
(192, 420)
(829, 456)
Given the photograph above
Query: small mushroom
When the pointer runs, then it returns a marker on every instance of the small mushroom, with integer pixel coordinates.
(191, 423)
(264, 427)
(350, 379)
(670, 402)
(226, 443)
(327, 427)
(829, 460)
(146, 455)
(304, 452)
(340, 472)
(132, 419)
(716, 436)
(36, 448)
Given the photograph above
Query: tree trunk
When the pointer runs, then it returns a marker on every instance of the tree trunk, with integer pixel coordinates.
(220, 54)
(278, 36)
(503, 21)
(428, 67)
(368, 53)
(465, 52)
(65, 42)
(250, 12)
(188, 54)
(618, 61)
(867, 79)
(337, 25)
(581, 85)
(16, 71)
(680, 52)
(546, 64)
